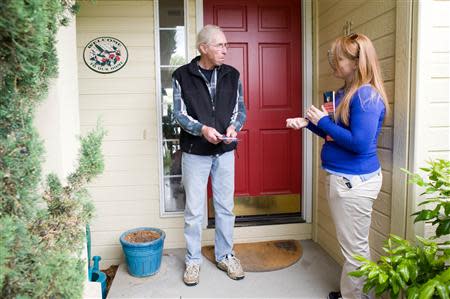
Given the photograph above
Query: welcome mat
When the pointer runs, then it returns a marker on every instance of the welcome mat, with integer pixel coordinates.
(263, 256)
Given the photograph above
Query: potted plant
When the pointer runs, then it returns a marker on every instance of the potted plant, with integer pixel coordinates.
(420, 270)
(143, 247)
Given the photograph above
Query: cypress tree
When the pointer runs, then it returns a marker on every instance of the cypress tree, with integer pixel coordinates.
(42, 232)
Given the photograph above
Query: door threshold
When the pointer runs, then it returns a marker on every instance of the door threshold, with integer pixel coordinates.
(261, 220)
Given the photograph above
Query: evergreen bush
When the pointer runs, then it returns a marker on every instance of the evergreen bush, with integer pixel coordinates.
(42, 233)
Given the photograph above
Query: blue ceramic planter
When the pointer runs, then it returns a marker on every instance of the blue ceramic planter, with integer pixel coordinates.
(143, 259)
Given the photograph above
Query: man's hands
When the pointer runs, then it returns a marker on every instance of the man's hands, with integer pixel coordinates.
(213, 136)
(296, 123)
(231, 132)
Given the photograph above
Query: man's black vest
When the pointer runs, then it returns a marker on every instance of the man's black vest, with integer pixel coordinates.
(214, 113)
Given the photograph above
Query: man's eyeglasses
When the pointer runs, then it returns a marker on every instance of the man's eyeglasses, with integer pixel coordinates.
(220, 46)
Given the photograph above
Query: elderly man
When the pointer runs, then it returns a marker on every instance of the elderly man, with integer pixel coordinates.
(209, 107)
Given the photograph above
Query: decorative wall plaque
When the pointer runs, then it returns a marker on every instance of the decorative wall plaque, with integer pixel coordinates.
(105, 55)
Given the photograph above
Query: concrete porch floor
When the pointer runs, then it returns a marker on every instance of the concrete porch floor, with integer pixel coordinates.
(313, 276)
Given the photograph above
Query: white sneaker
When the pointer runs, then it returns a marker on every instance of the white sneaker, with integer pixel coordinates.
(232, 266)
(191, 275)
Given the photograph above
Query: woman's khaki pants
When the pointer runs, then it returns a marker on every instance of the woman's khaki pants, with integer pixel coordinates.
(351, 209)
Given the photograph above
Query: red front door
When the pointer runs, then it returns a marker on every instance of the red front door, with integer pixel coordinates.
(265, 46)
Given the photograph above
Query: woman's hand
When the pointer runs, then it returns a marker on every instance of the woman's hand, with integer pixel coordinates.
(314, 114)
(296, 123)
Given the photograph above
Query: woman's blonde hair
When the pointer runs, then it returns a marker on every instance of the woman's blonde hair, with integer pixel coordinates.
(359, 48)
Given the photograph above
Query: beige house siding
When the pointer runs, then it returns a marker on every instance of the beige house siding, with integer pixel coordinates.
(434, 83)
(432, 102)
(376, 19)
(127, 194)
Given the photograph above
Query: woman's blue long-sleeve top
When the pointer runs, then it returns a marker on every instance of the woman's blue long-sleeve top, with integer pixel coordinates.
(353, 149)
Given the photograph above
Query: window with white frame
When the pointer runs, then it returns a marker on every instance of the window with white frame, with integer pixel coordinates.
(172, 37)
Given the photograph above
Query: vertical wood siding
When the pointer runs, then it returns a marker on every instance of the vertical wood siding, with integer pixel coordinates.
(377, 20)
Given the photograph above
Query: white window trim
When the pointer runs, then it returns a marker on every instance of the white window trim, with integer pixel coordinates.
(161, 176)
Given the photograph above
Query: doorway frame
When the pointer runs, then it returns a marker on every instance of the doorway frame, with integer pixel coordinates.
(307, 94)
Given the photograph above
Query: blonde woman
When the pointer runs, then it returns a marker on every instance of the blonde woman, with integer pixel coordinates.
(349, 154)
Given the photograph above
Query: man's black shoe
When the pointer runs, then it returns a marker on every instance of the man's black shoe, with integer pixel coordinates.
(334, 295)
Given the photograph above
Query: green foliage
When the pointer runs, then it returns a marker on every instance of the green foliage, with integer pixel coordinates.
(437, 190)
(418, 271)
(27, 62)
(41, 234)
(40, 256)
(411, 268)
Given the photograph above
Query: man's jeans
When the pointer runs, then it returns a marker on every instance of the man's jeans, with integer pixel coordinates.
(196, 170)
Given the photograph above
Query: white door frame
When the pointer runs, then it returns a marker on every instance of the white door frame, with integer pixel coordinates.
(307, 85)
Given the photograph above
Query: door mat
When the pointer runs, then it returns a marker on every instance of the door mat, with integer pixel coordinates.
(263, 256)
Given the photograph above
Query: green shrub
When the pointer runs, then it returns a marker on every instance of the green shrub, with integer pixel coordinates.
(438, 185)
(418, 270)
(41, 232)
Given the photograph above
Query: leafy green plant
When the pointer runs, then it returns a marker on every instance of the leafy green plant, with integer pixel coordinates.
(421, 270)
(41, 233)
(438, 184)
